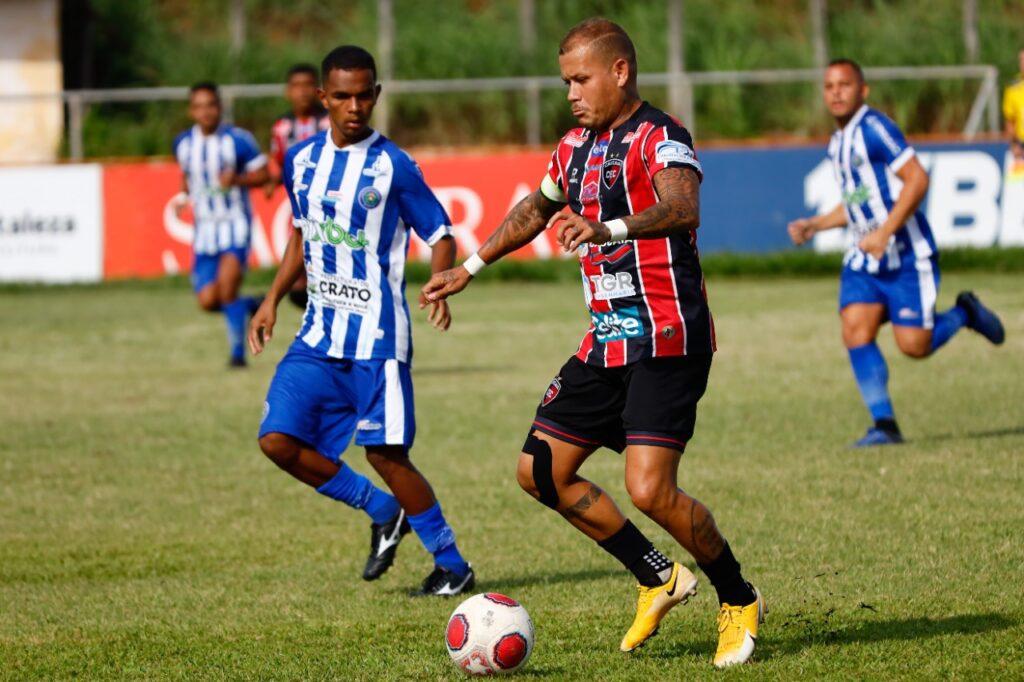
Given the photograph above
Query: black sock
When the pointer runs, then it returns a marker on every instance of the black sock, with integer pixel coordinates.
(724, 574)
(639, 555)
(888, 425)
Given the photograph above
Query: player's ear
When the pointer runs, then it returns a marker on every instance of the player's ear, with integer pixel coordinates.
(321, 95)
(865, 90)
(376, 92)
(620, 68)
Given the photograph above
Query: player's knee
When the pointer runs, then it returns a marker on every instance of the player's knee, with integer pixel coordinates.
(650, 497)
(535, 472)
(207, 299)
(917, 348)
(282, 450)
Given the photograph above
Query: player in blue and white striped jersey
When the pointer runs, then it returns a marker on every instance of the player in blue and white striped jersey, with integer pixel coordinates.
(219, 164)
(890, 270)
(355, 196)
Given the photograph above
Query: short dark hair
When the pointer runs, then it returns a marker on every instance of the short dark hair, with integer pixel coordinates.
(302, 68)
(843, 61)
(209, 86)
(604, 36)
(348, 58)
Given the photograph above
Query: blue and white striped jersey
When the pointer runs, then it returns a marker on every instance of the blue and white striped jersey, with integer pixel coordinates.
(865, 156)
(355, 206)
(222, 217)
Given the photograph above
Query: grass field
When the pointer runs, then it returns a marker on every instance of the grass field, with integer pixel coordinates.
(144, 536)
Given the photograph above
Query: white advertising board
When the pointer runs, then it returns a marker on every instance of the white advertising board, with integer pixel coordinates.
(51, 223)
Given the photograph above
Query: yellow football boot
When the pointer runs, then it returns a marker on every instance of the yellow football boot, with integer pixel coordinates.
(737, 631)
(654, 602)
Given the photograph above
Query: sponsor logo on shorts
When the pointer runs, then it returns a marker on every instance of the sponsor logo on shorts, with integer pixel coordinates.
(370, 198)
(368, 425)
(617, 325)
(617, 285)
(554, 388)
(668, 331)
(612, 171)
(908, 314)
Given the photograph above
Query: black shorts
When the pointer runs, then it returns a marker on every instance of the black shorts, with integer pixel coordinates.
(650, 402)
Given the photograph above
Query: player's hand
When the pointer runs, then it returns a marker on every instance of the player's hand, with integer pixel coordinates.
(440, 314)
(444, 284)
(180, 202)
(875, 244)
(261, 328)
(576, 230)
(227, 178)
(801, 230)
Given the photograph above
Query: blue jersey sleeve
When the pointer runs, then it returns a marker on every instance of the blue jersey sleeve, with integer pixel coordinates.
(885, 141)
(418, 206)
(248, 156)
(287, 179)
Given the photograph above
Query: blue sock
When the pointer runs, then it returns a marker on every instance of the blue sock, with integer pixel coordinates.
(252, 303)
(872, 376)
(359, 492)
(946, 325)
(437, 536)
(234, 315)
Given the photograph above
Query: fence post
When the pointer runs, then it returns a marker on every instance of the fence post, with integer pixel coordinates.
(385, 53)
(528, 43)
(76, 115)
(680, 89)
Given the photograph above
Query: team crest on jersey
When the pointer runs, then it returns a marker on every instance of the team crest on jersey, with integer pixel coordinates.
(554, 388)
(370, 198)
(611, 172)
(589, 193)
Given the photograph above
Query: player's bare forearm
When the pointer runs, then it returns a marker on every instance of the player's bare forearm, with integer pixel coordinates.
(525, 221)
(831, 220)
(442, 254)
(289, 270)
(677, 209)
(253, 178)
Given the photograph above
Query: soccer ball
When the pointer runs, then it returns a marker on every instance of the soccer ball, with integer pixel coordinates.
(489, 633)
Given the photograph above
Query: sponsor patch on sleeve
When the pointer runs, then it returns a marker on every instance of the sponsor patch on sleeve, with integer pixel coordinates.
(672, 151)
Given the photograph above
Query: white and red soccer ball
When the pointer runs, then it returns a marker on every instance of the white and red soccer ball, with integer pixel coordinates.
(489, 634)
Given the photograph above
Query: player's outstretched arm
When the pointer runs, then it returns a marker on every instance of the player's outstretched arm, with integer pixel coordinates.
(677, 210)
(802, 230)
(525, 221)
(261, 328)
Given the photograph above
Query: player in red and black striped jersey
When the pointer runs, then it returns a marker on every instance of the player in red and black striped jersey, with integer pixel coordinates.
(624, 190)
(306, 118)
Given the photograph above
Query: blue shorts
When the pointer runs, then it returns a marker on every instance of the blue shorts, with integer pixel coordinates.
(322, 402)
(908, 294)
(204, 266)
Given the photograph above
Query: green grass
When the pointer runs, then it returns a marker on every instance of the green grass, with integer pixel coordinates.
(143, 536)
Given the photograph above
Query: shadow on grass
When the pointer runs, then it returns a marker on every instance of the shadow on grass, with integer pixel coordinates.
(506, 585)
(822, 632)
(971, 435)
(455, 369)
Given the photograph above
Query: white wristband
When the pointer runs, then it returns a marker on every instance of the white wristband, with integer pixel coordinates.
(618, 229)
(474, 264)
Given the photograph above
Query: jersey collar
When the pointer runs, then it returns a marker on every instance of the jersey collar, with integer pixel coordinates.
(362, 145)
(855, 121)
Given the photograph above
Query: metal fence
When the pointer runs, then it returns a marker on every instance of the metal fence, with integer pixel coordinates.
(984, 112)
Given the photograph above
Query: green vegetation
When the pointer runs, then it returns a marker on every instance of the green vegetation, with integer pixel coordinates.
(143, 536)
(173, 42)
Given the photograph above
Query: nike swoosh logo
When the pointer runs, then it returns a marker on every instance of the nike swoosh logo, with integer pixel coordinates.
(448, 590)
(675, 584)
(390, 541)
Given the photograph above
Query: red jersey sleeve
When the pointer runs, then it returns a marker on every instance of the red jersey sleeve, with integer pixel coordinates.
(670, 146)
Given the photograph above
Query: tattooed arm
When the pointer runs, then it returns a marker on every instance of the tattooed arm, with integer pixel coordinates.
(677, 210)
(525, 221)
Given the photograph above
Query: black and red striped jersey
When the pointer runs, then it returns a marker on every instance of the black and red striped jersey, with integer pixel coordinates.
(646, 296)
(290, 130)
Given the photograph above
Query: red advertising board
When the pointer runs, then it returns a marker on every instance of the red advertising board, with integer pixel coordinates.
(144, 236)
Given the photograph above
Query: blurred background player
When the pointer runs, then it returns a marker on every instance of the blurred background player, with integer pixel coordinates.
(219, 164)
(890, 269)
(1013, 116)
(354, 195)
(306, 118)
(643, 365)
